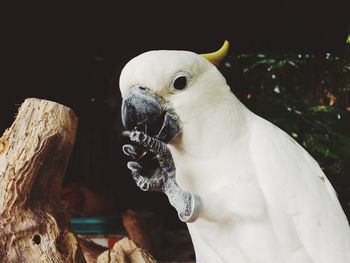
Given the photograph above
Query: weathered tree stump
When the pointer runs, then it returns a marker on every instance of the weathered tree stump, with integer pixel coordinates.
(34, 153)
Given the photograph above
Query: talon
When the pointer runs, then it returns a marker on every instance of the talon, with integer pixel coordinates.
(129, 150)
(145, 186)
(134, 166)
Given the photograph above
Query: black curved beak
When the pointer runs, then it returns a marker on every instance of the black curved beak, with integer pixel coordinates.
(145, 111)
(140, 108)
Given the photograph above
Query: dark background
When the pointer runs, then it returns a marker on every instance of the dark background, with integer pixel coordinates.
(73, 52)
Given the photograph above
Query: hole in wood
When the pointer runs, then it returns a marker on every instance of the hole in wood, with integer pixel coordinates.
(37, 239)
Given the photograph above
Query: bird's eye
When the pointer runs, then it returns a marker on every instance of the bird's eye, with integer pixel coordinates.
(180, 82)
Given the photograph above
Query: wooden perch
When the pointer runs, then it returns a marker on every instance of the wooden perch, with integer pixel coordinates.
(34, 153)
(125, 251)
(90, 249)
(144, 229)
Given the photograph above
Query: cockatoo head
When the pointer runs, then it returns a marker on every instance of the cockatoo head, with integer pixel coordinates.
(164, 91)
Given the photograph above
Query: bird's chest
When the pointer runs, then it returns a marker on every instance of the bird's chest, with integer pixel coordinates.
(242, 242)
(203, 176)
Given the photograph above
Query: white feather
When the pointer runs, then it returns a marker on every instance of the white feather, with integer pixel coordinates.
(265, 199)
(296, 188)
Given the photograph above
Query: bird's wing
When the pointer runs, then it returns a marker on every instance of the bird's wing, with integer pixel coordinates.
(302, 204)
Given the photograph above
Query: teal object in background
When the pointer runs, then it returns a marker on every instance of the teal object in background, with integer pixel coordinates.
(95, 225)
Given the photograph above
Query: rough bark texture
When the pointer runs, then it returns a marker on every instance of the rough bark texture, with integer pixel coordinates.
(125, 251)
(144, 229)
(147, 231)
(34, 153)
(90, 249)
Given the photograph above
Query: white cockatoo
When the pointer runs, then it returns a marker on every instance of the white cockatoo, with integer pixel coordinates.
(247, 190)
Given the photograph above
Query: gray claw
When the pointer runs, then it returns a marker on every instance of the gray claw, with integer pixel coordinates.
(188, 205)
(134, 166)
(144, 186)
(130, 150)
(154, 145)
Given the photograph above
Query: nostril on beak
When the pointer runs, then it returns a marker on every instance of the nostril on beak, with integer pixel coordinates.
(142, 88)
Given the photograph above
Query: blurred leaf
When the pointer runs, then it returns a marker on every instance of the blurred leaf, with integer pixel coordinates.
(322, 108)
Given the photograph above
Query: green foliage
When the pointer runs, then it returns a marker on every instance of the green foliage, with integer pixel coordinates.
(306, 95)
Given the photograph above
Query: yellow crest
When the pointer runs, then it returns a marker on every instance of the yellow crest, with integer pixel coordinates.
(217, 56)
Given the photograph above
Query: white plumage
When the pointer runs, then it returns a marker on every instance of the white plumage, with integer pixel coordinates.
(265, 199)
